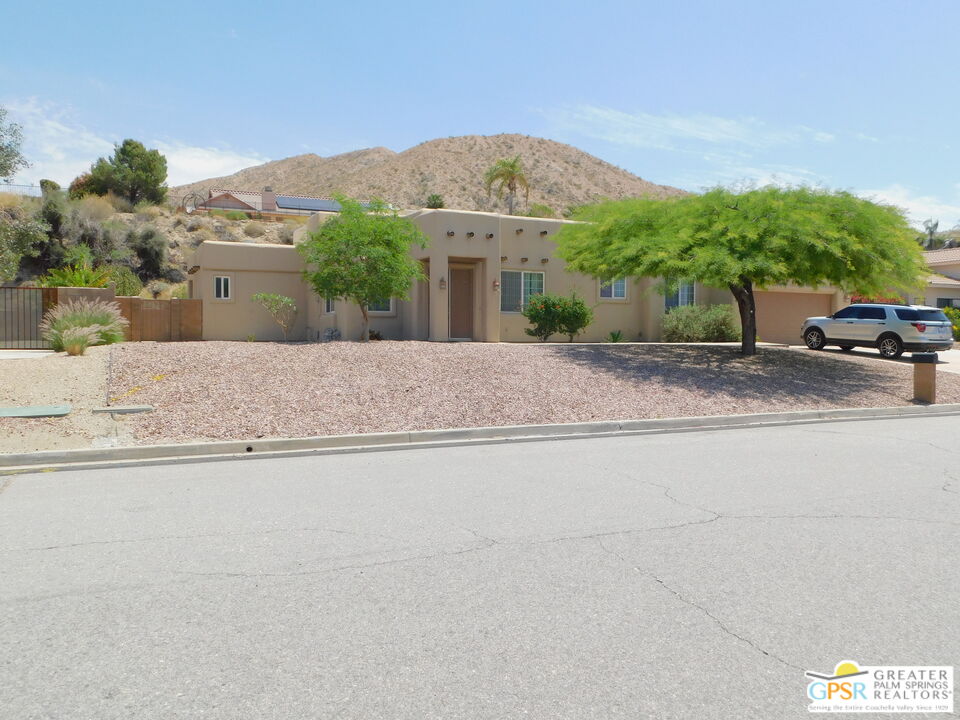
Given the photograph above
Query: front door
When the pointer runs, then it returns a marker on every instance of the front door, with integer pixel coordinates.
(461, 303)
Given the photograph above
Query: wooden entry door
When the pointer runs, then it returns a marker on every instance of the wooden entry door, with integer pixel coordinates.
(461, 303)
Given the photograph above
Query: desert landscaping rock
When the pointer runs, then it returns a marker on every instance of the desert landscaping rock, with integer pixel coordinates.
(229, 390)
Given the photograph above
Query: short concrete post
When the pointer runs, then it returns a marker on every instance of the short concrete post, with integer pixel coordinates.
(925, 377)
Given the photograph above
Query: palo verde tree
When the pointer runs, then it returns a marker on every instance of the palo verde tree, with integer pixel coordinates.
(363, 255)
(132, 172)
(755, 239)
(282, 309)
(507, 174)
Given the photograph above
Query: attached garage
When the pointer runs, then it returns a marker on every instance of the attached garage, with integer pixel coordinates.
(780, 314)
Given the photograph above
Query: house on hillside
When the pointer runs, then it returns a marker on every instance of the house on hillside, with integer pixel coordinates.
(268, 202)
(482, 268)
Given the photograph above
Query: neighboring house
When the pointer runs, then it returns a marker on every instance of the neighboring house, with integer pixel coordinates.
(270, 203)
(943, 287)
(482, 268)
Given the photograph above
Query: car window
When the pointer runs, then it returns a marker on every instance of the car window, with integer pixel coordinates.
(913, 315)
(847, 312)
(908, 314)
(872, 313)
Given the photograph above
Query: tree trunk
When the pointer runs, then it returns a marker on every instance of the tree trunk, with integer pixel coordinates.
(510, 203)
(748, 315)
(365, 336)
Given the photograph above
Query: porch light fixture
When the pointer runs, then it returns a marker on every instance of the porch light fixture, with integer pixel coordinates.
(524, 259)
(519, 230)
(544, 260)
(496, 286)
(443, 283)
(469, 234)
(450, 233)
(503, 258)
(489, 236)
(543, 233)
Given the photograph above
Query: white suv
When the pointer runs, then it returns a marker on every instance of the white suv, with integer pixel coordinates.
(889, 328)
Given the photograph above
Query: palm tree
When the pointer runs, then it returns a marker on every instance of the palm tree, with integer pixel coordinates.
(507, 173)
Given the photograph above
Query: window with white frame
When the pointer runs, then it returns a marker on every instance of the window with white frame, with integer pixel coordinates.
(615, 289)
(381, 306)
(683, 296)
(516, 288)
(221, 287)
(328, 305)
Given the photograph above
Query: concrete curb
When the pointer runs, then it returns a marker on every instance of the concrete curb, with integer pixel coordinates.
(93, 458)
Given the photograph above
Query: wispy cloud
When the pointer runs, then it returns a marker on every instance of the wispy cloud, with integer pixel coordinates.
(676, 132)
(60, 148)
(919, 207)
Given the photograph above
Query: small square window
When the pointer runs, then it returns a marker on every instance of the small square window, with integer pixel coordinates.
(683, 296)
(613, 289)
(221, 287)
(329, 305)
(381, 306)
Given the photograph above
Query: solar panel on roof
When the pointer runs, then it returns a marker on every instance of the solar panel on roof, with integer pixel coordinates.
(314, 204)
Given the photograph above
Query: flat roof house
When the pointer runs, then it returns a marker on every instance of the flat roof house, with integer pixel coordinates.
(482, 268)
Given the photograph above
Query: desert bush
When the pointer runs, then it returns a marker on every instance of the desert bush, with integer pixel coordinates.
(120, 204)
(125, 280)
(156, 288)
(174, 275)
(181, 292)
(254, 229)
(80, 275)
(282, 309)
(55, 213)
(434, 201)
(615, 336)
(236, 215)
(286, 234)
(195, 223)
(701, 323)
(76, 340)
(101, 318)
(79, 255)
(94, 208)
(539, 210)
(146, 212)
(20, 236)
(80, 187)
(551, 314)
(49, 186)
(150, 247)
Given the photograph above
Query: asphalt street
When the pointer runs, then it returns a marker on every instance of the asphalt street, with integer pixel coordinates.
(687, 575)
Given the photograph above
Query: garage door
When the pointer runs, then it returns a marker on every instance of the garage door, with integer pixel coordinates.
(780, 314)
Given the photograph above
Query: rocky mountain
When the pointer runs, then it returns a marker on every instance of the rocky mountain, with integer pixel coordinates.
(559, 175)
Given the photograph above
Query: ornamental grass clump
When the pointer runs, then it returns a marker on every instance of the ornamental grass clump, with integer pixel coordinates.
(100, 322)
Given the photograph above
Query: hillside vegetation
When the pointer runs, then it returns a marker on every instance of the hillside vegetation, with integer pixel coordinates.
(560, 176)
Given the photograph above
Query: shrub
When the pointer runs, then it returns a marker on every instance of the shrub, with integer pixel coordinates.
(80, 187)
(94, 208)
(615, 336)
(434, 201)
(80, 275)
(156, 288)
(49, 186)
(953, 315)
(180, 292)
(125, 280)
(146, 212)
(701, 323)
(235, 215)
(282, 309)
(102, 318)
(550, 314)
(150, 247)
(254, 229)
(195, 224)
(539, 210)
(20, 237)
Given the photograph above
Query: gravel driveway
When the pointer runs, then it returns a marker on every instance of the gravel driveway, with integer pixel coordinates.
(235, 390)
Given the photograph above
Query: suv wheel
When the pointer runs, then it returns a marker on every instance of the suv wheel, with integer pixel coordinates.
(815, 339)
(890, 347)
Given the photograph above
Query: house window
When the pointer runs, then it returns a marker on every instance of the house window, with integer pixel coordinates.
(381, 306)
(944, 302)
(328, 305)
(221, 287)
(683, 296)
(613, 289)
(516, 287)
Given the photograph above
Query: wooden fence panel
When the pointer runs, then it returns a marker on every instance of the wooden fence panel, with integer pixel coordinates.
(162, 320)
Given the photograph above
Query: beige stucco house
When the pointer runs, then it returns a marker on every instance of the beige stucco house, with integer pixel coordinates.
(481, 268)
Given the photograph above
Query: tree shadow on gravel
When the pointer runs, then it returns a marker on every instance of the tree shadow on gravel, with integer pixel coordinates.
(772, 373)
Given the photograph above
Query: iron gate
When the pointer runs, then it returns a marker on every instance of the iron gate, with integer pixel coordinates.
(21, 310)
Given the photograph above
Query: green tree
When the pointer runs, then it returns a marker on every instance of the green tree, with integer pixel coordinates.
(20, 236)
(507, 174)
(763, 237)
(11, 138)
(132, 172)
(282, 309)
(363, 255)
(434, 201)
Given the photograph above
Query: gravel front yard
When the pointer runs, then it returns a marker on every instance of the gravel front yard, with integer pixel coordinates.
(234, 390)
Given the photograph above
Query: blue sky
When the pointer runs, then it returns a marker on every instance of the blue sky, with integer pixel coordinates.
(847, 94)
